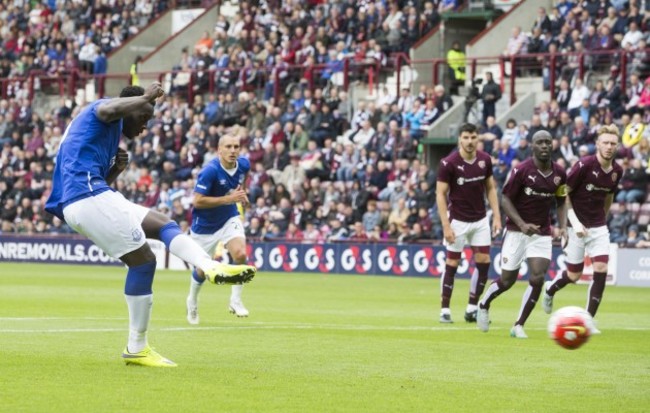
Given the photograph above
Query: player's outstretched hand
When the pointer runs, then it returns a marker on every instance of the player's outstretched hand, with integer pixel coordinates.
(239, 195)
(121, 159)
(449, 235)
(153, 92)
(530, 229)
(496, 227)
(564, 238)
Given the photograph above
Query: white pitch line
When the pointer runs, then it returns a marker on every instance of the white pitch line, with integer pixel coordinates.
(60, 318)
(267, 326)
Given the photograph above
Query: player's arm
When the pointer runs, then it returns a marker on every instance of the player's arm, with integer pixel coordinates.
(578, 227)
(203, 201)
(561, 202)
(609, 198)
(442, 189)
(121, 162)
(513, 214)
(119, 108)
(493, 201)
(243, 187)
(575, 178)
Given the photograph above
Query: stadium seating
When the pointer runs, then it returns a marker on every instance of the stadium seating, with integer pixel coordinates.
(354, 152)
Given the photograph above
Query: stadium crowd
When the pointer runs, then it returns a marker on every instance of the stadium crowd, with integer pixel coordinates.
(53, 38)
(322, 169)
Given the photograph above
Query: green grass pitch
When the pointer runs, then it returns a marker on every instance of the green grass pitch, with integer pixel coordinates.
(313, 343)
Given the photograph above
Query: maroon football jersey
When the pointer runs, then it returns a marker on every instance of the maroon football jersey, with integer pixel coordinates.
(533, 194)
(589, 185)
(466, 182)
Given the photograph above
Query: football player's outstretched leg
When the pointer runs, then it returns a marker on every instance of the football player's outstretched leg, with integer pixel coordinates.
(88, 162)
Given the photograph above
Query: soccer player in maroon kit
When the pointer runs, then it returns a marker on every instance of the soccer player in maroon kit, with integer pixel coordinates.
(464, 178)
(531, 191)
(591, 185)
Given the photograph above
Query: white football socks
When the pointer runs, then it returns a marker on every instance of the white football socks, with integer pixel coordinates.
(195, 288)
(235, 293)
(189, 251)
(139, 315)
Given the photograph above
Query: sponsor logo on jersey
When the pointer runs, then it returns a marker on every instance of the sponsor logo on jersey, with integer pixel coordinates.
(462, 181)
(530, 192)
(592, 187)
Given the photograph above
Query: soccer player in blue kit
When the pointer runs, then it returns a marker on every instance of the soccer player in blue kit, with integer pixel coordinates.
(216, 218)
(88, 162)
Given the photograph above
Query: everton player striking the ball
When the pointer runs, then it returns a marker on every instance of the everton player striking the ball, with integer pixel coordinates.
(88, 162)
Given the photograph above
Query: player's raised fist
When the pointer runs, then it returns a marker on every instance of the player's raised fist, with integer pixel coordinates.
(153, 92)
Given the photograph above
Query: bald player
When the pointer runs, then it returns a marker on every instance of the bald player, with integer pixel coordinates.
(531, 192)
(216, 218)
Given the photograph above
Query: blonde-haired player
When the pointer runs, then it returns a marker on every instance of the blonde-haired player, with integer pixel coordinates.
(216, 218)
(591, 184)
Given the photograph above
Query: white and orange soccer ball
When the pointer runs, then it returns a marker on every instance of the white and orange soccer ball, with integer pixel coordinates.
(570, 327)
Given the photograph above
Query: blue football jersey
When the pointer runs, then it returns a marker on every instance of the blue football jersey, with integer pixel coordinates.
(86, 154)
(215, 181)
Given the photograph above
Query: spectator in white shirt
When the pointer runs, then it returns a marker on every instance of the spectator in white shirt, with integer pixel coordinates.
(405, 101)
(394, 16)
(365, 134)
(517, 43)
(633, 36)
(579, 93)
(87, 55)
(386, 98)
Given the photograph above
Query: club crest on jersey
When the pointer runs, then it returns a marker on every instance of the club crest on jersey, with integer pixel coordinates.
(481, 164)
(557, 180)
(136, 234)
(614, 176)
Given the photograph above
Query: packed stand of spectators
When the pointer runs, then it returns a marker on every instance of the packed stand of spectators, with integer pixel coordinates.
(361, 180)
(55, 37)
(322, 170)
(289, 41)
(316, 175)
(593, 27)
(574, 136)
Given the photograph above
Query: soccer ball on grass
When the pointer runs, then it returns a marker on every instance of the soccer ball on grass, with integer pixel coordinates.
(570, 327)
